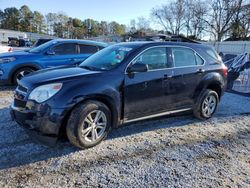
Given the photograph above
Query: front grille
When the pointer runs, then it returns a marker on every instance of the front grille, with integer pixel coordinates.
(19, 103)
(20, 95)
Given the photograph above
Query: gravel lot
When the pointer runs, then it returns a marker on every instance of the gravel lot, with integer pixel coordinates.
(164, 152)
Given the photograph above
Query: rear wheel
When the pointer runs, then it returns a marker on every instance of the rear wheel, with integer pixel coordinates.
(89, 124)
(19, 74)
(206, 105)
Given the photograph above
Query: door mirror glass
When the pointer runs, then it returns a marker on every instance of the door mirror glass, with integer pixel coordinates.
(138, 67)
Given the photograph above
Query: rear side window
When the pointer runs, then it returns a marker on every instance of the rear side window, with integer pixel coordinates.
(87, 49)
(155, 58)
(212, 53)
(183, 57)
(65, 49)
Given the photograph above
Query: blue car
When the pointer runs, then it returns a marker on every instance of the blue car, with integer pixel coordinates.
(58, 52)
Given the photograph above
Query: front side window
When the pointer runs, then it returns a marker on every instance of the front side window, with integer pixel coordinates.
(65, 49)
(183, 57)
(155, 58)
(87, 49)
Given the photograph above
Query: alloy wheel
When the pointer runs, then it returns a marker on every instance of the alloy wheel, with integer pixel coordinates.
(209, 105)
(94, 126)
(21, 74)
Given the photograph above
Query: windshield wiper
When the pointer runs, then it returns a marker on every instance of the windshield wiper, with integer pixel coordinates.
(90, 68)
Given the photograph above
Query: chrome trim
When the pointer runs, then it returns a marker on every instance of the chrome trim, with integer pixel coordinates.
(167, 46)
(195, 54)
(23, 110)
(157, 115)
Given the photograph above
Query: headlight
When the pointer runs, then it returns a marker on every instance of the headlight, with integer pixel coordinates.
(7, 59)
(45, 92)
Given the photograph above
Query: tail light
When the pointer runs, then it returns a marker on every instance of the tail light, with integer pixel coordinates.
(225, 70)
(10, 49)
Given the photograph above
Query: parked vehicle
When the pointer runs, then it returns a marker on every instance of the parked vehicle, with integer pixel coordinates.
(5, 49)
(19, 42)
(123, 83)
(40, 42)
(13, 66)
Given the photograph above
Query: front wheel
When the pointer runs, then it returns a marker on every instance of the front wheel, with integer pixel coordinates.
(89, 124)
(206, 105)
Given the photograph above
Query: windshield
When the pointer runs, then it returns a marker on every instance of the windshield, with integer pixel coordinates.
(107, 58)
(42, 47)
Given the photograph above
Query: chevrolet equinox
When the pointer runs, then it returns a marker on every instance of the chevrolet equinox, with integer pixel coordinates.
(122, 83)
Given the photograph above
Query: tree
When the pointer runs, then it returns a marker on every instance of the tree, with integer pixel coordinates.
(51, 19)
(60, 27)
(142, 24)
(195, 12)
(171, 16)
(10, 19)
(38, 22)
(117, 29)
(104, 28)
(220, 16)
(25, 18)
(240, 26)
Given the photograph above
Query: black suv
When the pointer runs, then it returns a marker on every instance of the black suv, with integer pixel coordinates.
(122, 83)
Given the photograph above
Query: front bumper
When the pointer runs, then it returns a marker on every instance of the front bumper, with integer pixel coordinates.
(4, 78)
(43, 125)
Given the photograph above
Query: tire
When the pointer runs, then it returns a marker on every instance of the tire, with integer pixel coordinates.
(208, 98)
(78, 124)
(20, 73)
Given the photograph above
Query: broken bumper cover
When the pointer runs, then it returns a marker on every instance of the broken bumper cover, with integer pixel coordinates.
(42, 127)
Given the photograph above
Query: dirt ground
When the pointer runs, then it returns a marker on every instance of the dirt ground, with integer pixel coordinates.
(165, 152)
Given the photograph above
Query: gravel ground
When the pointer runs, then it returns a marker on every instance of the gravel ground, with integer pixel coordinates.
(164, 152)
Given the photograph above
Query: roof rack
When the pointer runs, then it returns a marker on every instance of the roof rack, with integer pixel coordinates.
(163, 37)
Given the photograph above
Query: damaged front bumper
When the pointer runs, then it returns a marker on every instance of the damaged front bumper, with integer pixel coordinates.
(42, 126)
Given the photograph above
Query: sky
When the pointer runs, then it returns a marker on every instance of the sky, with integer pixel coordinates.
(121, 11)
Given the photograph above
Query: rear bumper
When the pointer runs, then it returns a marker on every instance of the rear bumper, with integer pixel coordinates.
(42, 127)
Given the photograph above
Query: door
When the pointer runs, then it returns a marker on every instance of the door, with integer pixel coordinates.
(187, 72)
(144, 91)
(63, 54)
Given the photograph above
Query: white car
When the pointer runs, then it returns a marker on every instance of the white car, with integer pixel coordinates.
(4, 49)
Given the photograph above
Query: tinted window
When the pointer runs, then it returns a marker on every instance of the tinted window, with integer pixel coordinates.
(199, 60)
(87, 49)
(64, 49)
(155, 58)
(185, 57)
(212, 53)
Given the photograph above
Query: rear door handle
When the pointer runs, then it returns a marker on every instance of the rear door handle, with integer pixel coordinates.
(200, 71)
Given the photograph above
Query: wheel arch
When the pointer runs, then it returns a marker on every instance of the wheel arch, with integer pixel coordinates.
(28, 65)
(212, 81)
(108, 101)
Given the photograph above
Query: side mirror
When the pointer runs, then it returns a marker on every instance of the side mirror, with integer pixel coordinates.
(50, 52)
(137, 67)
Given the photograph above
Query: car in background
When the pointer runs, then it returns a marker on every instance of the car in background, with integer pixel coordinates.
(40, 42)
(120, 84)
(58, 52)
(4, 49)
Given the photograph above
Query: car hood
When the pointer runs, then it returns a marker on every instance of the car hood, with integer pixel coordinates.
(55, 75)
(15, 54)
